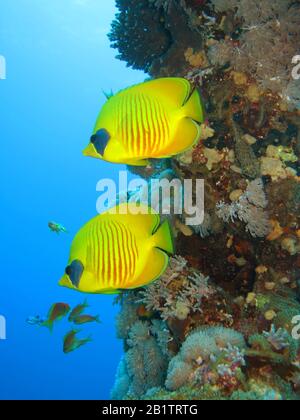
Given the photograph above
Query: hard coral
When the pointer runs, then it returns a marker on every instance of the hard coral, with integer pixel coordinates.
(138, 33)
(144, 32)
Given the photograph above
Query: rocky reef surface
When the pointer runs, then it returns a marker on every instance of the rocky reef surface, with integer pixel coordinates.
(218, 324)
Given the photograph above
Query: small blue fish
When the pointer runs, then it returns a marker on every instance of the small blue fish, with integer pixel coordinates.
(57, 228)
(35, 320)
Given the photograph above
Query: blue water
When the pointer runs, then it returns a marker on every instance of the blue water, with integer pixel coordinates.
(58, 61)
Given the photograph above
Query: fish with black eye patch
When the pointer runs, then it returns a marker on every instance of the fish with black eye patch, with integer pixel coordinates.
(153, 120)
(119, 249)
(100, 140)
(74, 271)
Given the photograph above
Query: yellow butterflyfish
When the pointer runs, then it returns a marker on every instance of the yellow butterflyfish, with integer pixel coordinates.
(153, 120)
(119, 250)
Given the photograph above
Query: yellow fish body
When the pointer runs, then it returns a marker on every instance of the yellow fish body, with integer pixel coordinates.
(155, 119)
(118, 251)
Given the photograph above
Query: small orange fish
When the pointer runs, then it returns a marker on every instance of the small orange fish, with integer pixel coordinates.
(57, 312)
(78, 310)
(72, 343)
(85, 319)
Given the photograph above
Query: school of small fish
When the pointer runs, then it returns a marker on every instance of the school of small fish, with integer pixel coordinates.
(59, 311)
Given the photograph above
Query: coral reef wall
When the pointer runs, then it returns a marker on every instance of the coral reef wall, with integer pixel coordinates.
(218, 324)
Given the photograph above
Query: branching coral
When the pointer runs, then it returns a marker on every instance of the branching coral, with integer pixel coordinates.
(270, 34)
(144, 32)
(205, 228)
(254, 11)
(165, 4)
(126, 317)
(224, 5)
(277, 345)
(143, 365)
(122, 381)
(245, 155)
(250, 208)
(212, 355)
(279, 339)
(292, 94)
(162, 334)
(138, 34)
(180, 300)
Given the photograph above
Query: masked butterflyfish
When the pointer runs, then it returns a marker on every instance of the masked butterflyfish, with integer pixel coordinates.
(119, 250)
(153, 120)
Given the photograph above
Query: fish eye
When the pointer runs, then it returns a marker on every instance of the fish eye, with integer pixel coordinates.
(100, 140)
